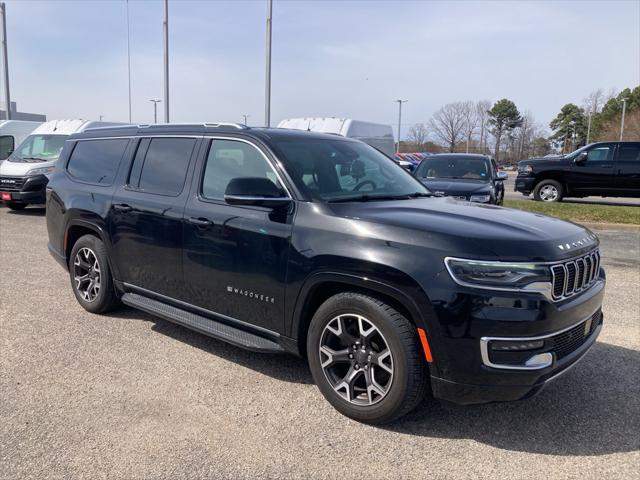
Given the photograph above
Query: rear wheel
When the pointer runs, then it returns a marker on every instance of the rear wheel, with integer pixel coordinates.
(548, 191)
(366, 358)
(16, 206)
(91, 275)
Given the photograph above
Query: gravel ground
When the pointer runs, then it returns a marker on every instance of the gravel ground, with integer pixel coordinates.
(129, 396)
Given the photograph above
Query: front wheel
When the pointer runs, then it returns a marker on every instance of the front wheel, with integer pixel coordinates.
(366, 359)
(548, 191)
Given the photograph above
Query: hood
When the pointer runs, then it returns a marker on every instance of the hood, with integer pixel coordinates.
(559, 160)
(511, 235)
(456, 187)
(19, 169)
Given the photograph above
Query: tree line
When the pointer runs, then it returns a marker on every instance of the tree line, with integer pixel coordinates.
(501, 130)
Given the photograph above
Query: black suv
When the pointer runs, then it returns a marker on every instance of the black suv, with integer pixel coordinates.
(605, 169)
(288, 241)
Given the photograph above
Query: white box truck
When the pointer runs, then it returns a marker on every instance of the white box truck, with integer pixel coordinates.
(377, 135)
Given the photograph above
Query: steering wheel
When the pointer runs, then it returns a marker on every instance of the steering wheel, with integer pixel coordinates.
(362, 184)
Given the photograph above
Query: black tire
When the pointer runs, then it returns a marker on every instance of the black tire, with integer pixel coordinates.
(408, 382)
(104, 298)
(16, 206)
(548, 191)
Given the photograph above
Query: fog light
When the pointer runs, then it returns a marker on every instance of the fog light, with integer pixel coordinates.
(503, 346)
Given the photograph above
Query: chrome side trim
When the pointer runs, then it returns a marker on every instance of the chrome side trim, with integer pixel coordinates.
(484, 347)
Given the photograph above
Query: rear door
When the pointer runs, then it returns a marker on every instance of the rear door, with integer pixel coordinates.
(597, 175)
(628, 169)
(145, 218)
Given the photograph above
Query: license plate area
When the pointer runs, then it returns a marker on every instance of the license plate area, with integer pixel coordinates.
(5, 196)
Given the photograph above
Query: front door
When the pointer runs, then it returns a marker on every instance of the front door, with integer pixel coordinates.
(235, 257)
(628, 169)
(145, 219)
(596, 175)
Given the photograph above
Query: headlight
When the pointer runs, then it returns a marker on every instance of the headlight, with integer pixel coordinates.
(40, 171)
(499, 275)
(525, 169)
(480, 198)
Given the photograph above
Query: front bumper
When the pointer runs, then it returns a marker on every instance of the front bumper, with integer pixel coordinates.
(473, 358)
(524, 185)
(30, 190)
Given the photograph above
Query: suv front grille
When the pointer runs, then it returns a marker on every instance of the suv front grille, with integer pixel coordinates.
(575, 276)
(11, 184)
(569, 341)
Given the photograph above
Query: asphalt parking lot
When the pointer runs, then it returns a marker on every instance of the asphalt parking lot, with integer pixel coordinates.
(511, 195)
(131, 396)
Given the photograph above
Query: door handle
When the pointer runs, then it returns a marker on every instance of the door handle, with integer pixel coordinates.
(122, 207)
(606, 166)
(200, 222)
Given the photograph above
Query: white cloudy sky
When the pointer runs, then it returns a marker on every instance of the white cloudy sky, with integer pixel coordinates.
(330, 58)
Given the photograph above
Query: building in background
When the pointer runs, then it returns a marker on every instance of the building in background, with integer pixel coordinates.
(16, 115)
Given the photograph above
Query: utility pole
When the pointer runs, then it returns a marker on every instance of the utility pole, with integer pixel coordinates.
(400, 102)
(5, 58)
(245, 119)
(267, 88)
(624, 109)
(589, 127)
(155, 109)
(129, 60)
(165, 29)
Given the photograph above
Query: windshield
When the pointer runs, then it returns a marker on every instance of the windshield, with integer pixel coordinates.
(455, 167)
(344, 170)
(39, 148)
(577, 152)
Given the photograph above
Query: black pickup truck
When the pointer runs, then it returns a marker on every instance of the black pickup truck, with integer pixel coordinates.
(605, 169)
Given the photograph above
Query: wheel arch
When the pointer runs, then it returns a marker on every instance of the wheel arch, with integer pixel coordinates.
(76, 229)
(320, 286)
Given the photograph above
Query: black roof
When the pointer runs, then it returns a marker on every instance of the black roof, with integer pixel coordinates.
(203, 129)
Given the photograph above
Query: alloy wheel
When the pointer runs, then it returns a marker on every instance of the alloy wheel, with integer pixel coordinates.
(356, 359)
(86, 274)
(548, 193)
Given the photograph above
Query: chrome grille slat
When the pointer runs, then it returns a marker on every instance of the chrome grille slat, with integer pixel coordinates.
(573, 276)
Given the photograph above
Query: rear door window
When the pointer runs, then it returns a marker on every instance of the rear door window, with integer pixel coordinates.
(96, 161)
(629, 153)
(160, 165)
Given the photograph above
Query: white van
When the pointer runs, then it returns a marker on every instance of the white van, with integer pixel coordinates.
(12, 133)
(377, 135)
(24, 174)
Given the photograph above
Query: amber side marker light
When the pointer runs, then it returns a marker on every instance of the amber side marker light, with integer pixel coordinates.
(425, 345)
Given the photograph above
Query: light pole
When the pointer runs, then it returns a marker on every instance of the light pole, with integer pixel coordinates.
(589, 127)
(165, 29)
(129, 61)
(155, 109)
(267, 87)
(624, 109)
(400, 102)
(245, 119)
(5, 58)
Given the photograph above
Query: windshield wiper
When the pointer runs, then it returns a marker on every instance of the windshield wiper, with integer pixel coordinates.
(369, 198)
(420, 194)
(37, 159)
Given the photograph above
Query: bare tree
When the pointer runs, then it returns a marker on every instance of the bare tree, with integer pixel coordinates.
(470, 121)
(448, 124)
(482, 115)
(594, 102)
(418, 134)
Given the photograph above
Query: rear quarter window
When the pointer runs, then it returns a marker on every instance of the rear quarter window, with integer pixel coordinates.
(96, 161)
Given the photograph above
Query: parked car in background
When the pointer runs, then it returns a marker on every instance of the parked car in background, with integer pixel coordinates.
(286, 241)
(12, 133)
(464, 176)
(377, 135)
(604, 169)
(25, 173)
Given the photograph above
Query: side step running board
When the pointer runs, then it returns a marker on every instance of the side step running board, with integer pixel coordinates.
(218, 330)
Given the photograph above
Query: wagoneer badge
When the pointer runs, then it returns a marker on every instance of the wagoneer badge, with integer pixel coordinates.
(583, 242)
(250, 294)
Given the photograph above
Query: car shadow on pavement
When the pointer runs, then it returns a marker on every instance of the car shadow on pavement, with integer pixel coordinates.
(30, 212)
(285, 367)
(593, 409)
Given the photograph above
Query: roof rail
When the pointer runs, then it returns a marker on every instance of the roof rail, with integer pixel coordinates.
(239, 126)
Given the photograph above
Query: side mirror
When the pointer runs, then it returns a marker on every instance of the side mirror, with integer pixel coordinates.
(502, 175)
(255, 191)
(580, 159)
